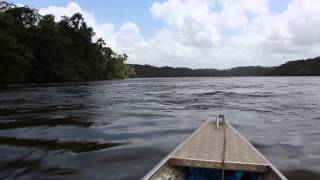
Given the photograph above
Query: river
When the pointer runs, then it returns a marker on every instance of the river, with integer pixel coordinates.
(120, 129)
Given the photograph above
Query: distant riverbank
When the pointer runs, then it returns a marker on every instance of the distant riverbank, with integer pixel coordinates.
(308, 67)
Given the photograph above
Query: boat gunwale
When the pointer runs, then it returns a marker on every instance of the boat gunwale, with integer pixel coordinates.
(272, 167)
(165, 161)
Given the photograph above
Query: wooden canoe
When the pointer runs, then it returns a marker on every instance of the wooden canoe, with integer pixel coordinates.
(203, 150)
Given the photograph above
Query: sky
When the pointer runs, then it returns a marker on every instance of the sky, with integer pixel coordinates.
(199, 33)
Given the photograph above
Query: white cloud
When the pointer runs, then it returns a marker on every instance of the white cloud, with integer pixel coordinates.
(214, 33)
(69, 10)
(72, 8)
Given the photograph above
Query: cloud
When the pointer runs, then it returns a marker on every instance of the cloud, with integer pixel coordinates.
(72, 8)
(69, 10)
(213, 33)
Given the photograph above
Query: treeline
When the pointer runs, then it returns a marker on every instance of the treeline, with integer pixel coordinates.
(309, 67)
(38, 49)
(152, 71)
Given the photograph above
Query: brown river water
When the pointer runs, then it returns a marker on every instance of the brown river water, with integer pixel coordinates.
(120, 129)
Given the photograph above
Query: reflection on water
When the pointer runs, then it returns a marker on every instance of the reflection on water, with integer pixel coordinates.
(51, 145)
(23, 167)
(44, 122)
(96, 130)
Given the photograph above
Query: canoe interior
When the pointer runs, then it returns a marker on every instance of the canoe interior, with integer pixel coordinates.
(169, 172)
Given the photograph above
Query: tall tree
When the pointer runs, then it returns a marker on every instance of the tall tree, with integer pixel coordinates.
(35, 48)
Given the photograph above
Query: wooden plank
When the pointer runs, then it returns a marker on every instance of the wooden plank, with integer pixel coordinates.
(204, 149)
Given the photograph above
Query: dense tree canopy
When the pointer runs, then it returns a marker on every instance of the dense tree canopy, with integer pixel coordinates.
(152, 71)
(37, 49)
(309, 67)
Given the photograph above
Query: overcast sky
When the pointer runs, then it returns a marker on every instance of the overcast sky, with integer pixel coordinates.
(200, 33)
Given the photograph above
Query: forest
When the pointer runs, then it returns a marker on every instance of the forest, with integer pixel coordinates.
(308, 67)
(39, 49)
(152, 71)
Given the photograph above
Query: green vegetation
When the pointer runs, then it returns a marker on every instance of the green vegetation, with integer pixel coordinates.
(151, 71)
(37, 49)
(309, 67)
